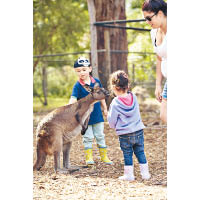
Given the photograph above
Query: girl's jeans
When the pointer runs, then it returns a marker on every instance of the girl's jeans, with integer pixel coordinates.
(95, 130)
(133, 142)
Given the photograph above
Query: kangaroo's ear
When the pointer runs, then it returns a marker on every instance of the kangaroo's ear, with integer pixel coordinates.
(96, 85)
(88, 88)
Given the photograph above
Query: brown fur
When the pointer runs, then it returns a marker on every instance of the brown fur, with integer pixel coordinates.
(59, 128)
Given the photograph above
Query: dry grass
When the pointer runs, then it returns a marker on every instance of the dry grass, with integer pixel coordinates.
(101, 180)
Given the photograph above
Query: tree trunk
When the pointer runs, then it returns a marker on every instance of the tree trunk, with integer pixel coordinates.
(93, 35)
(107, 10)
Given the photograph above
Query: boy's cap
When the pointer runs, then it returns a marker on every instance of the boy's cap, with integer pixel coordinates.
(82, 62)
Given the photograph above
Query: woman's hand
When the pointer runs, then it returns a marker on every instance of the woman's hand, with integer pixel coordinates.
(158, 93)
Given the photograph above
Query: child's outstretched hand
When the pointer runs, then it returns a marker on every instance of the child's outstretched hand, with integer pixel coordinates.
(105, 112)
(104, 107)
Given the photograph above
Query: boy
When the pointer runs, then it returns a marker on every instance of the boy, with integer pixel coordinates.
(96, 122)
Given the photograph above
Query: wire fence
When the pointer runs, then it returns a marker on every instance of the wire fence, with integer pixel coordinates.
(141, 73)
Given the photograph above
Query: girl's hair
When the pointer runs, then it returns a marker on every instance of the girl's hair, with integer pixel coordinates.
(119, 79)
(155, 6)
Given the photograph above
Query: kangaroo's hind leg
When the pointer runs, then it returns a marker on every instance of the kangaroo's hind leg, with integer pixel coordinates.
(57, 162)
(66, 152)
(66, 160)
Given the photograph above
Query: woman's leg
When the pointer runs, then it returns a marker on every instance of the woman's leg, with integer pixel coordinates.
(163, 110)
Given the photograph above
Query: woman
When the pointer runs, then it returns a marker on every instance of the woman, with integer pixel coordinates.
(155, 14)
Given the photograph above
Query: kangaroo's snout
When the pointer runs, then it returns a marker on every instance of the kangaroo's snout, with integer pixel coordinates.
(107, 93)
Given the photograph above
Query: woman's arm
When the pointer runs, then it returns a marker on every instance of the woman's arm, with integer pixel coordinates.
(159, 78)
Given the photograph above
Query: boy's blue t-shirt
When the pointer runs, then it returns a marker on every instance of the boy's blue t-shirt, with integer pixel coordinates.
(79, 92)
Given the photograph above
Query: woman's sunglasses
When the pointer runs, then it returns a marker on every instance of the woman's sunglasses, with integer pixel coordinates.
(149, 18)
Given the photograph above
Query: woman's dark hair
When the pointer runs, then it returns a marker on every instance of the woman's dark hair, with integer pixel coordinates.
(120, 80)
(155, 6)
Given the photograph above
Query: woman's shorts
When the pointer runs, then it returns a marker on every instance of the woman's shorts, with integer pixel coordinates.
(164, 93)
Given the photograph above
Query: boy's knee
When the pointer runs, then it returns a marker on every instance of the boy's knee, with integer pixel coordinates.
(100, 137)
(88, 139)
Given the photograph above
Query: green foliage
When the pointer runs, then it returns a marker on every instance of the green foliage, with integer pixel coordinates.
(59, 26)
(60, 81)
(53, 102)
(137, 4)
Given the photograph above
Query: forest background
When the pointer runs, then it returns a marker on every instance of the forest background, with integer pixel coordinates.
(62, 27)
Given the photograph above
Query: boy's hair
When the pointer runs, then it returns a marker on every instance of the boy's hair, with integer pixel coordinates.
(119, 79)
(82, 62)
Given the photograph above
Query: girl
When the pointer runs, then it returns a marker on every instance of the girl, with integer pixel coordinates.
(96, 123)
(124, 117)
(155, 14)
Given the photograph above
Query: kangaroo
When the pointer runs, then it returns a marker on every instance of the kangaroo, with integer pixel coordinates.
(56, 131)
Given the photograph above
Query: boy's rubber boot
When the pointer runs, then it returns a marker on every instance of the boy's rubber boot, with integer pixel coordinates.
(144, 170)
(128, 173)
(103, 155)
(89, 158)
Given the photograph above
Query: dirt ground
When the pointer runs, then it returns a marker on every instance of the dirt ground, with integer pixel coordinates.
(101, 180)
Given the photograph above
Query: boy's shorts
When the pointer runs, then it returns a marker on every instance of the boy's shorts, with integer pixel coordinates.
(164, 93)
